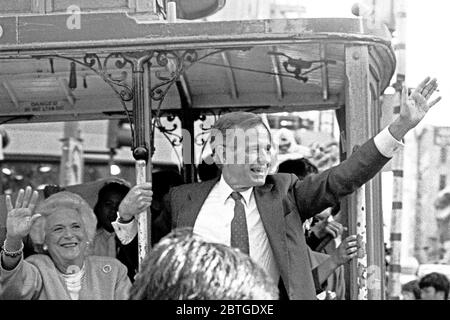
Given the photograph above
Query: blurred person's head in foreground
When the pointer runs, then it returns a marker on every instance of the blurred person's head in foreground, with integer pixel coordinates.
(434, 286)
(182, 266)
(411, 290)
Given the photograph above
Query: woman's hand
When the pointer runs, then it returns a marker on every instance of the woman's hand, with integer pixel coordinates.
(346, 251)
(20, 217)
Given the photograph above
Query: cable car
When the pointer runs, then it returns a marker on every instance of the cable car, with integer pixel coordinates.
(72, 66)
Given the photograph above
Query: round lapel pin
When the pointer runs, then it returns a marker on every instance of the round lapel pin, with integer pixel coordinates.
(107, 268)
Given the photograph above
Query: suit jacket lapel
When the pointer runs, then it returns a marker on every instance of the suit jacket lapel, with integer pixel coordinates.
(194, 202)
(272, 216)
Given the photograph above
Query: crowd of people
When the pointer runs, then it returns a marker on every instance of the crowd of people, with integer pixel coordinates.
(241, 233)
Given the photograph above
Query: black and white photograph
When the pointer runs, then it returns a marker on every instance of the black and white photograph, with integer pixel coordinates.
(230, 156)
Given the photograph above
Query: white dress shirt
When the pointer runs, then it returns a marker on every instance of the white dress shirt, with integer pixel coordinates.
(214, 220)
(386, 143)
(214, 224)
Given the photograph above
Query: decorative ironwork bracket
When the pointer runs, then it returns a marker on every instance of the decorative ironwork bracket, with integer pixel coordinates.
(201, 138)
(296, 66)
(175, 63)
(93, 62)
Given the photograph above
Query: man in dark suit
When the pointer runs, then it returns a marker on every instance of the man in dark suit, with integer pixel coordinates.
(262, 214)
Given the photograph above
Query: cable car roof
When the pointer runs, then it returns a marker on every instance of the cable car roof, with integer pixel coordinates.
(262, 65)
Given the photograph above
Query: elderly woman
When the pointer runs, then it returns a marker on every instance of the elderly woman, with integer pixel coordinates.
(64, 224)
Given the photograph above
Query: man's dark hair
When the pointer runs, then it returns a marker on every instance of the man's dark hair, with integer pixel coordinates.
(182, 266)
(300, 167)
(436, 280)
(413, 287)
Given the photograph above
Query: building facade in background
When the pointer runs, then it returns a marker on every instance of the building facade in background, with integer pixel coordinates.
(427, 174)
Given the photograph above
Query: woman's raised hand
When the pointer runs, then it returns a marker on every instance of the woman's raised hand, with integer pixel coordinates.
(21, 217)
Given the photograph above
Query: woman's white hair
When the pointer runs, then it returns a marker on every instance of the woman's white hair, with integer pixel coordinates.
(56, 203)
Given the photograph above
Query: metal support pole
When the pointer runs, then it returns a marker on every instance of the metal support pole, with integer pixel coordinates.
(361, 231)
(144, 233)
(142, 138)
(418, 220)
(366, 271)
(394, 285)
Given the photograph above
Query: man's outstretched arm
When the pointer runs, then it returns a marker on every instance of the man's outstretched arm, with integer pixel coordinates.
(318, 192)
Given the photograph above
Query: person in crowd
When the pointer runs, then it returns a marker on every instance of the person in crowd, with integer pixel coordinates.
(287, 146)
(182, 266)
(301, 167)
(105, 241)
(325, 156)
(262, 214)
(325, 231)
(434, 286)
(328, 268)
(110, 196)
(65, 224)
(322, 228)
(411, 290)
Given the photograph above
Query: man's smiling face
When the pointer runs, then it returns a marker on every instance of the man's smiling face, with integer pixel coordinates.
(247, 157)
